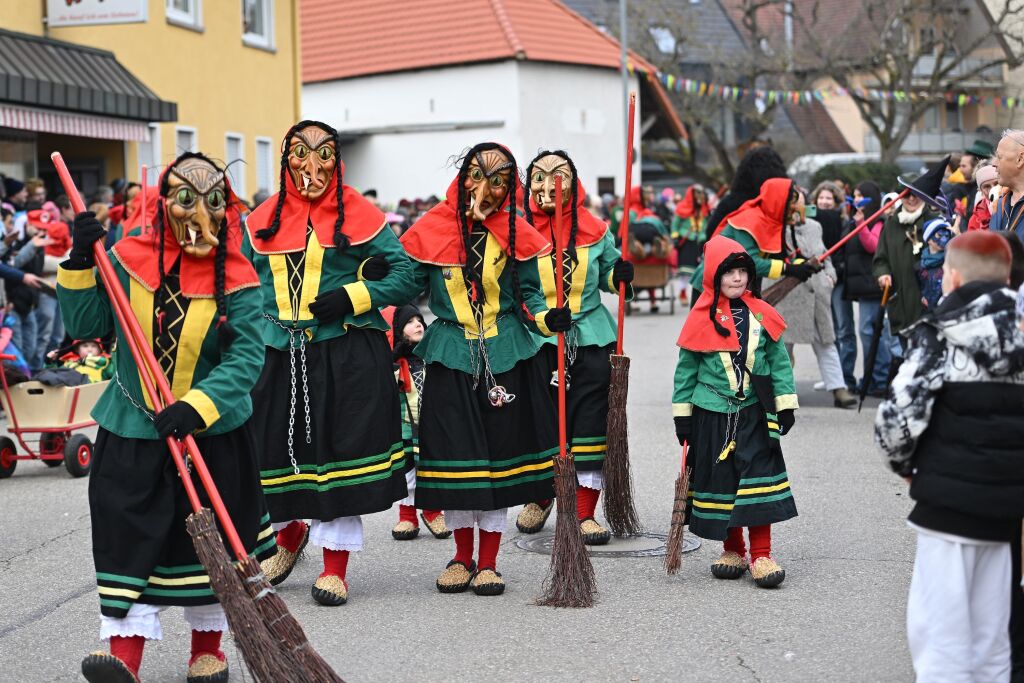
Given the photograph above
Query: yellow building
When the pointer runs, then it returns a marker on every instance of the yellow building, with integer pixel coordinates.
(217, 76)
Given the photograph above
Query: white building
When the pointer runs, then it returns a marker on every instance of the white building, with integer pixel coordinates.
(411, 91)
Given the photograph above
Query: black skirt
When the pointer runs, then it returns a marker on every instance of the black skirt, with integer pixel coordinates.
(689, 253)
(586, 402)
(140, 546)
(750, 487)
(355, 462)
(474, 456)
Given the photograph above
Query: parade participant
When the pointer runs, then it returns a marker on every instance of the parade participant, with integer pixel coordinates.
(407, 328)
(733, 399)
(325, 409)
(688, 232)
(757, 227)
(593, 264)
(198, 302)
(486, 433)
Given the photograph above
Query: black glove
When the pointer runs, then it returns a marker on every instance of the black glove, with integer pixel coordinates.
(684, 427)
(786, 421)
(622, 271)
(376, 268)
(331, 306)
(178, 419)
(558, 319)
(801, 271)
(86, 232)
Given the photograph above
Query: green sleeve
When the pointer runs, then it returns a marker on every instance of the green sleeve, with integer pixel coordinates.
(234, 376)
(610, 255)
(766, 267)
(678, 227)
(685, 383)
(782, 374)
(533, 294)
(880, 264)
(397, 288)
(84, 305)
(420, 273)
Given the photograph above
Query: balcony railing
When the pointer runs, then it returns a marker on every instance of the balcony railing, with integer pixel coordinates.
(978, 73)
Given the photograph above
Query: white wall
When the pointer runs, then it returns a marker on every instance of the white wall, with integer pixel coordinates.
(528, 107)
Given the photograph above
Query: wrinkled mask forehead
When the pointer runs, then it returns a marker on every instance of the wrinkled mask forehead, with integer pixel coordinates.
(196, 203)
(488, 163)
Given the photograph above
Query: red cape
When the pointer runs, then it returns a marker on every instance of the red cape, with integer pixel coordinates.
(684, 209)
(762, 216)
(437, 239)
(363, 220)
(636, 203)
(152, 196)
(590, 228)
(699, 333)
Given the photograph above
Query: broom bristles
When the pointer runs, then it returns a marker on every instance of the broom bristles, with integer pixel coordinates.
(283, 625)
(619, 508)
(265, 659)
(674, 546)
(777, 292)
(570, 581)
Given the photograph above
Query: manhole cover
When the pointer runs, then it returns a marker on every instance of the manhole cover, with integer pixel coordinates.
(644, 545)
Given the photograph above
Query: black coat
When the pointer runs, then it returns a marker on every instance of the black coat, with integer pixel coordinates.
(726, 205)
(859, 282)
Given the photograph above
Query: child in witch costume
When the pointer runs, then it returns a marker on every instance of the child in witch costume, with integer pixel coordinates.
(325, 409)
(197, 300)
(407, 328)
(689, 232)
(733, 399)
(486, 433)
(592, 264)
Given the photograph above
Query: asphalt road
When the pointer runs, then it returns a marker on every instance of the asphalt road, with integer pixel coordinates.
(838, 617)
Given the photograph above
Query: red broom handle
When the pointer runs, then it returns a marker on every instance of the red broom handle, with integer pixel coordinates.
(624, 223)
(149, 370)
(863, 224)
(686, 447)
(560, 299)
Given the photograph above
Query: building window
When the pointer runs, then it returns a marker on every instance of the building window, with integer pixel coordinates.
(234, 157)
(187, 13)
(264, 164)
(664, 39)
(149, 155)
(185, 140)
(258, 23)
(954, 119)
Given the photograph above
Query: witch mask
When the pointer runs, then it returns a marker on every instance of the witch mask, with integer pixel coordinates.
(312, 158)
(542, 181)
(487, 183)
(196, 202)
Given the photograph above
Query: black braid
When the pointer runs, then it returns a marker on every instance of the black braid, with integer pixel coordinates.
(225, 333)
(520, 305)
(160, 206)
(341, 240)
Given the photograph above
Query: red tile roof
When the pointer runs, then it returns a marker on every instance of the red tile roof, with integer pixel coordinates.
(364, 37)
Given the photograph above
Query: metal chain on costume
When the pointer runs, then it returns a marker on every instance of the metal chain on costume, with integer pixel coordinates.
(147, 412)
(293, 335)
(732, 422)
(479, 360)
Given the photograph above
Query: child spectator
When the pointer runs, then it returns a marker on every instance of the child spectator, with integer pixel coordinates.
(936, 235)
(952, 426)
(88, 358)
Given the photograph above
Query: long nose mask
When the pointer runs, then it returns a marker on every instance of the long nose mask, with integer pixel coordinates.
(487, 183)
(196, 202)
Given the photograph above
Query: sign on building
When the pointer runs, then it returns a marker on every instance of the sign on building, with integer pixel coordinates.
(84, 12)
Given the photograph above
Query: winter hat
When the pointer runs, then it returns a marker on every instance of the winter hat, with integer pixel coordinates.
(40, 218)
(889, 196)
(403, 315)
(12, 186)
(937, 229)
(985, 174)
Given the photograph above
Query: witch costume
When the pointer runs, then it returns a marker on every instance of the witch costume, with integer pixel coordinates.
(593, 264)
(486, 434)
(197, 301)
(326, 418)
(733, 399)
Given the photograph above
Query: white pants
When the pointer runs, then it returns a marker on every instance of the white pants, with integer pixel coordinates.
(486, 520)
(144, 620)
(343, 533)
(591, 480)
(410, 486)
(829, 366)
(958, 612)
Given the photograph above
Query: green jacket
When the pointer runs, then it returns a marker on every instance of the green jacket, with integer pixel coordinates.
(896, 256)
(594, 324)
(216, 384)
(506, 337)
(765, 264)
(688, 229)
(325, 270)
(706, 379)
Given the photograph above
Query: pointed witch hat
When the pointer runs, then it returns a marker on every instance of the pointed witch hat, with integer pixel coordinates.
(928, 187)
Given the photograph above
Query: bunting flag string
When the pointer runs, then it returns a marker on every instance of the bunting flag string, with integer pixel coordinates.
(771, 97)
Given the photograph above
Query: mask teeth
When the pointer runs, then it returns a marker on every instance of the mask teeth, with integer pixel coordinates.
(305, 181)
(192, 234)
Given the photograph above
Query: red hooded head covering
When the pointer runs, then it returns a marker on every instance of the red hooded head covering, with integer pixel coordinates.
(436, 238)
(764, 215)
(685, 209)
(636, 202)
(362, 221)
(138, 254)
(590, 229)
(699, 331)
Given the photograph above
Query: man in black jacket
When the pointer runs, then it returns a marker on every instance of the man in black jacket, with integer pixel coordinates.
(953, 426)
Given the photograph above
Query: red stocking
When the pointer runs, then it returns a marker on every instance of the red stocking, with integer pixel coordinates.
(335, 563)
(586, 502)
(734, 542)
(206, 643)
(464, 545)
(290, 537)
(489, 542)
(431, 515)
(407, 513)
(760, 541)
(129, 650)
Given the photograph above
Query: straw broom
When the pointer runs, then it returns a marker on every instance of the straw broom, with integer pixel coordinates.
(674, 546)
(266, 655)
(618, 484)
(570, 581)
